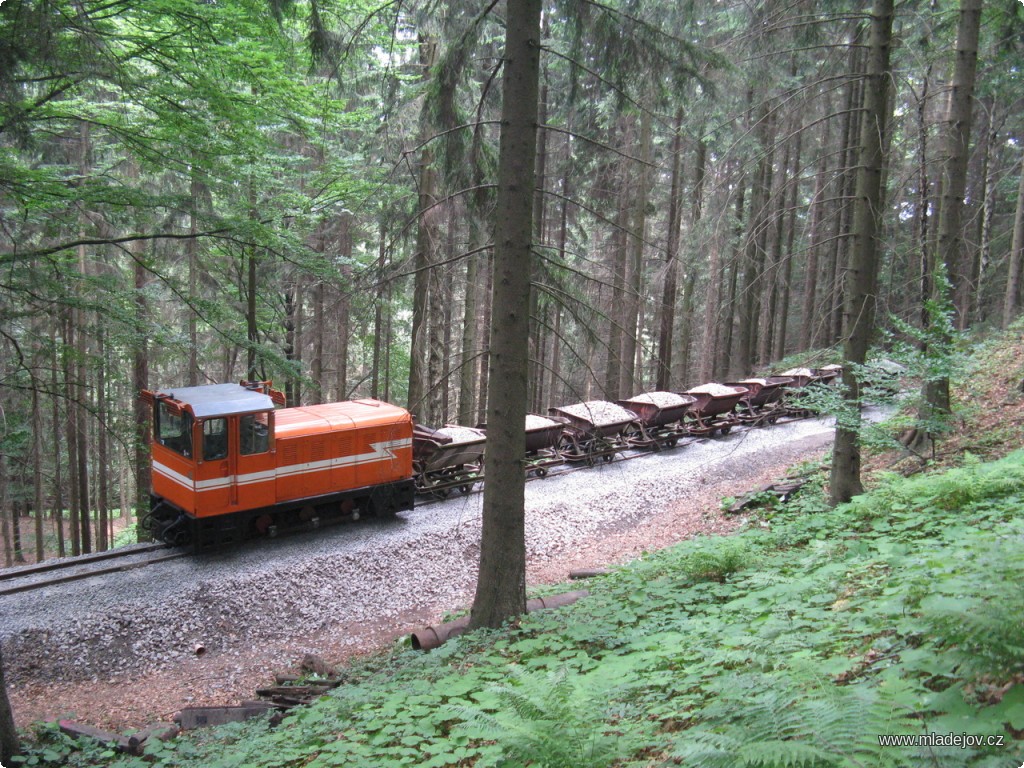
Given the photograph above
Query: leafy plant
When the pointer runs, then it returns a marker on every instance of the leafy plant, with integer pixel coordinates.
(715, 560)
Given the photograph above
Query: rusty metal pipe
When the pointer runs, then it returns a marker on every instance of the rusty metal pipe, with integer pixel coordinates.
(434, 636)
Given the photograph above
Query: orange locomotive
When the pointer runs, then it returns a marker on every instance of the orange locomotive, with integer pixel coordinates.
(227, 466)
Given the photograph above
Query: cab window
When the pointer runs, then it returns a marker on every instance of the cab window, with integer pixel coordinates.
(215, 439)
(174, 429)
(254, 433)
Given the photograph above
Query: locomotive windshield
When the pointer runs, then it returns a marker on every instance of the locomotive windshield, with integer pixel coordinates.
(173, 429)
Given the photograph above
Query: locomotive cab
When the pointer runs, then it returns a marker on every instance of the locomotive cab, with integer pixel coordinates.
(211, 444)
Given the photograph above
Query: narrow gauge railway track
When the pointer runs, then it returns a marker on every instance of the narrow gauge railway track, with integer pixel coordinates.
(64, 570)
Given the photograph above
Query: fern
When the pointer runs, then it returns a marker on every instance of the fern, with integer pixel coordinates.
(786, 729)
(980, 613)
(556, 720)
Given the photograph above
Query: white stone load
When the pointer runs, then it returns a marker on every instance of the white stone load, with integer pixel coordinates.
(534, 422)
(600, 413)
(798, 372)
(461, 435)
(661, 399)
(715, 390)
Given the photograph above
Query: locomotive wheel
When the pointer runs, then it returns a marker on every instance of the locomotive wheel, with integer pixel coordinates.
(466, 488)
(607, 458)
(726, 430)
(441, 493)
(671, 443)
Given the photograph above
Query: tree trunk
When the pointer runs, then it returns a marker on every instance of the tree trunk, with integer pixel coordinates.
(787, 267)
(192, 250)
(58, 484)
(426, 246)
(251, 331)
(9, 743)
(754, 251)
(537, 335)
(809, 317)
(663, 362)
(861, 277)
(483, 391)
(341, 242)
(501, 585)
(725, 352)
(467, 374)
(102, 444)
(289, 343)
(140, 381)
(618, 253)
(634, 266)
(5, 515)
(81, 389)
(37, 476)
(383, 298)
(955, 143)
(688, 303)
(299, 337)
(316, 365)
(70, 423)
(1011, 302)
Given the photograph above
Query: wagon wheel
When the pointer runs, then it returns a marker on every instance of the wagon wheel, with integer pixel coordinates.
(727, 429)
(466, 488)
(672, 442)
(541, 472)
(440, 493)
(607, 457)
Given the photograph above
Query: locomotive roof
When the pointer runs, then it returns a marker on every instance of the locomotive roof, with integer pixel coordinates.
(220, 399)
(328, 417)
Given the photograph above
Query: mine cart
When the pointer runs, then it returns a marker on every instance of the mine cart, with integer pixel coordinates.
(798, 391)
(713, 409)
(594, 429)
(451, 457)
(659, 419)
(763, 402)
(542, 439)
(801, 377)
(828, 373)
(543, 436)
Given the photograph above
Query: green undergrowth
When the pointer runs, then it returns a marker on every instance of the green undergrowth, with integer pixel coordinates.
(797, 642)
